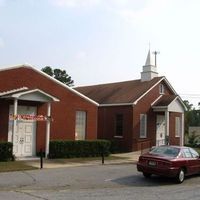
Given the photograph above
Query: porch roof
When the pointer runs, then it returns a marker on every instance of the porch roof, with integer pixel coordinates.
(171, 103)
(28, 95)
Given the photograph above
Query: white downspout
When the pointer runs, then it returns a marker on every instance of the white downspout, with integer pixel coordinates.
(14, 121)
(48, 129)
(182, 130)
(167, 124)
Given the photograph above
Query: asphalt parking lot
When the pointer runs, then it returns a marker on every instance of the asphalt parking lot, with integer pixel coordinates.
(105, 182)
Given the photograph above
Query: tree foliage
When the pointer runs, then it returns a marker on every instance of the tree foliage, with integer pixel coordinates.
(59, 74)
(192, 116)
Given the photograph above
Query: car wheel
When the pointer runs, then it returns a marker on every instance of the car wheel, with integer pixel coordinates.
(180, 176)
(146, 175)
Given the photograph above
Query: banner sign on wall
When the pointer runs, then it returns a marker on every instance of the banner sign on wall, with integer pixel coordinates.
(30, 117)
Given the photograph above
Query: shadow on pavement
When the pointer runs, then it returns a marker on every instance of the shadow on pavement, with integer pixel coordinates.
(139, 181)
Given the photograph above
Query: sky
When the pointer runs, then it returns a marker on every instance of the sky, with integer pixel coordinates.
(102, 41)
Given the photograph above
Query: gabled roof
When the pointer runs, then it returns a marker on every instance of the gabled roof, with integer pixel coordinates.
(120, 93)
(51, 78)
(165, 100)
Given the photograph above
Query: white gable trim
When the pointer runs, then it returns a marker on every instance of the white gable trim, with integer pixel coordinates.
(156, 100)
(51, 78)
(116, 104)
(13, 91)
(32, 95)
(162, 79)
(175, 106)
(135, 102)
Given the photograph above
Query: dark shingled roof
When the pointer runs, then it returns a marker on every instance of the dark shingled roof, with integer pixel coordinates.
(165, 100)
(118, 93)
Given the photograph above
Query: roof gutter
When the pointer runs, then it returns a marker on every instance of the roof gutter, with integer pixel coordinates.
(116, 104)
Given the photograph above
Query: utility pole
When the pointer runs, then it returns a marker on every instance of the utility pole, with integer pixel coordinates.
(155, 53)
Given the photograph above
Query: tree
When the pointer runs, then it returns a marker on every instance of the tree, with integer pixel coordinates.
(59, 74)
(188, 105)
(192, 116)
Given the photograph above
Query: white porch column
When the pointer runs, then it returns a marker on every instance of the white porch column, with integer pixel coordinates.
(14, 120)
(167, 123)
(182, 130)
(48, 129)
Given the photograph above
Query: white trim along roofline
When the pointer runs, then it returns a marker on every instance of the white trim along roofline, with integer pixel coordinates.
(181, 101)
(13, 91)
(51, 78)
(136, 101)
(116, 104)
(17, 95)
(165, 107)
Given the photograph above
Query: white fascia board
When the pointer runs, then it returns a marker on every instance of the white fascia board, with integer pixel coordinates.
(13, 91)
(51, 78)
(17, 95)
(156, 100)
(160, 108)
(180, 101)
(135, 102)
(170, 86)
(116, 104)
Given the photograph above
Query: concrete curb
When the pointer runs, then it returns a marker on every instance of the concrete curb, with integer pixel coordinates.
(124, 158)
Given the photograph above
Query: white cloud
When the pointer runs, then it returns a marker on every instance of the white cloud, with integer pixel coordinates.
(75, 3)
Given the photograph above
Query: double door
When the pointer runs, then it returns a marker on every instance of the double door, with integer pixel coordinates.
(24, 143)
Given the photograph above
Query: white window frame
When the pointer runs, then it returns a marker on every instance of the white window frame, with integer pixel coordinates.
(122, 126)
(80, 126)
(177, 126)
(143, 125)
(161, 89)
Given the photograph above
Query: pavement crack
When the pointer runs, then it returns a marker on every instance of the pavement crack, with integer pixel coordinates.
(30, 195)
(29, 175)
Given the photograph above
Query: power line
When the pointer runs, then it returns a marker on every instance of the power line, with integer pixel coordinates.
(190, 95)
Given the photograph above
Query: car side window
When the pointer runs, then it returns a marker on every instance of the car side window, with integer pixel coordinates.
(187, 153)
(194, 153)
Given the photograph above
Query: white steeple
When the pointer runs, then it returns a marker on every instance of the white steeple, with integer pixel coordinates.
(149, 69)
(149, 60)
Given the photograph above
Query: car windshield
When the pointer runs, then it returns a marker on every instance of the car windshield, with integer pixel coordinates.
(166, 150)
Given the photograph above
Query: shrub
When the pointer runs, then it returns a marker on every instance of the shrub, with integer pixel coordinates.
(115, 146)
(80, 148)
(6, 149)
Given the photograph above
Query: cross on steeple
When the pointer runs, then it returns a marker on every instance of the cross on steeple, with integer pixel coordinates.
(155, 53)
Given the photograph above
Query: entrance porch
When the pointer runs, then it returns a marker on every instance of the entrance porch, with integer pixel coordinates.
(22, 120)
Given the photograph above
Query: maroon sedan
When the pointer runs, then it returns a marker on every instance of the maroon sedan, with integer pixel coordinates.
(170, 161)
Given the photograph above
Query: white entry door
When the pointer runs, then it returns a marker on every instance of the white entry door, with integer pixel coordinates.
(160, 130)
(24, 143)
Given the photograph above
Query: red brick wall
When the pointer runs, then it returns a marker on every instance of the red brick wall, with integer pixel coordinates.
(144, 107)
(131, 140)
(173, 140)
(106, 125)
(63, 112)
(4, 111)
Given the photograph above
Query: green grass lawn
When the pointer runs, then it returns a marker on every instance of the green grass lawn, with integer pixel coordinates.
(14, 166)
(82, 160)
(25, 165)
